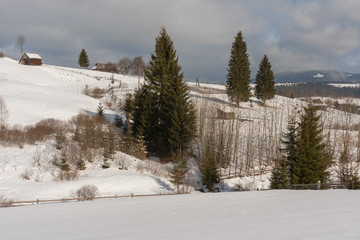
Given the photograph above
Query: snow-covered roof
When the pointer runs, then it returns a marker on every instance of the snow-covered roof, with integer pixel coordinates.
(33, 55)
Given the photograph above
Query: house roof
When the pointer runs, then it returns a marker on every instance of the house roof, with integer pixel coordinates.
(33, 55)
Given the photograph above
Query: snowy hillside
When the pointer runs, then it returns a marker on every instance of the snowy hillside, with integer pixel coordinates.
(34, 93)
(250, 141)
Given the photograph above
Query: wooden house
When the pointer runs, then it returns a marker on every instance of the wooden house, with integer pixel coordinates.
(225, 115)
(99, 67)
(31, 59)
(105, 67)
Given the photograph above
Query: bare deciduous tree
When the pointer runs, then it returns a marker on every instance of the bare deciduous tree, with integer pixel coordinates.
(4, 114)
(20, 41)
(125, 65)
(138, 66)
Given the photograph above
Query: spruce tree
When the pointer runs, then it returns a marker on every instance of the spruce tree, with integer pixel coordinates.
(312, 160)
(83, 60)
(238, 76)
(178, 172)
(100, 110)
(290, 140)
(265, 85)
(210, 173)
(279, 175)
(162, 108)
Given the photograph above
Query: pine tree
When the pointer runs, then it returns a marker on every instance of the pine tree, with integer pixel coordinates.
(238, 76)
(279, 175)
(312, 160)
(210, 173)
(265, 85)
(100, 110)
(163, 111)
(83, 60)
(289, 140)
(178, 172)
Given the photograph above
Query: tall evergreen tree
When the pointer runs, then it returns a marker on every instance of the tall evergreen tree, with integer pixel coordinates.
(83, 59)
(312, 160)
(162, 108)
(238, 76)
(265, 85)
(290, 141)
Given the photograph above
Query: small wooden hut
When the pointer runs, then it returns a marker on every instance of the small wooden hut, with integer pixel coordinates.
(31, 59)
(225, 115)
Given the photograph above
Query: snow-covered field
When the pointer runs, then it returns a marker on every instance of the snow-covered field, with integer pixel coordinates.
(280, 215)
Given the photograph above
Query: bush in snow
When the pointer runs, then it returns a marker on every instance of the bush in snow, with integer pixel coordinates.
(70, 175)
(86, 192)
(26, 175)
(5, 202)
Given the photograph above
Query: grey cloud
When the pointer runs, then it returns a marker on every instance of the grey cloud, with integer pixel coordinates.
(295, 35)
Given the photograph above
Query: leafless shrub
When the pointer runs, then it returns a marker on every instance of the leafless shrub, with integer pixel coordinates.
(122, 162)
(250, 186)
(86, 192)
(70, 175)
(40, 131)
(2, 54)
(13, 136)
(95, 92)
(154, 168)
(27, 174)
(18, 135)
(4, 114)
(6, 202)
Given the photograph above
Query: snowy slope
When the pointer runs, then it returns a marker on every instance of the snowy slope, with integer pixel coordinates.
(284, 215)
(33, 93)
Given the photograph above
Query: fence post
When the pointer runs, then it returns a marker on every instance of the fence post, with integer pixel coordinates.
(37, 201)
(318, 185)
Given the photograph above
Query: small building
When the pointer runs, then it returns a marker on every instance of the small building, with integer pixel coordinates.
(105, 67)
(31, 59)
(99, 67)
(225, 115)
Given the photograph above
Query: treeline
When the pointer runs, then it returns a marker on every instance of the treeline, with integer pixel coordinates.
(316, 89)
(126, 65)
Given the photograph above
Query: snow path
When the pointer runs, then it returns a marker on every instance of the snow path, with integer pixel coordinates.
(331, 214)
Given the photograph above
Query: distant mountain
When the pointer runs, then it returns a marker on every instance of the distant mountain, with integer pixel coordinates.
(332, 76)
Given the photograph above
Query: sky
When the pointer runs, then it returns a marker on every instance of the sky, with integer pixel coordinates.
(294, 34)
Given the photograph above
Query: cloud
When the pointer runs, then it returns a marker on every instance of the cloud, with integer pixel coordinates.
(296, 35)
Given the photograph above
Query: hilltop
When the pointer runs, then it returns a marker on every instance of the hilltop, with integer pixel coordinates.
(330, 76)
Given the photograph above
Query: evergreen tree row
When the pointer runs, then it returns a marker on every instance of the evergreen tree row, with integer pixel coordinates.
(305, 159)
(238, 76)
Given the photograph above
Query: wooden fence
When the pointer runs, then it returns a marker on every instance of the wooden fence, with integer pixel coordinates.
(39, 201)
(318, 186)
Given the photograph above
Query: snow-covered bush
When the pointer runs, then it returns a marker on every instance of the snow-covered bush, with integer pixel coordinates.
(5, 202)
(67, 175)
(27, 174)
(152, 167)
(86, 192)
